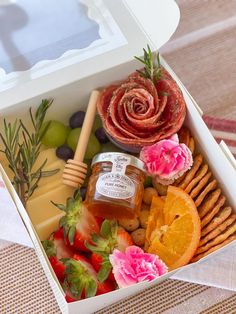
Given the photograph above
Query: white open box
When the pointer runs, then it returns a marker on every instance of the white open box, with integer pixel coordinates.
(70, 93)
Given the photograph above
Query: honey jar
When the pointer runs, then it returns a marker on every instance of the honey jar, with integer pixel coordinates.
(115, 188)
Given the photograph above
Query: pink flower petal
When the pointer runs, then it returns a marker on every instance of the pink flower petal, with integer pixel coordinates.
(135, 266)
(167, 159)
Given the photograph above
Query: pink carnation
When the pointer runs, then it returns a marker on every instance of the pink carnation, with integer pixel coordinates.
(167, 159)
(135, 266)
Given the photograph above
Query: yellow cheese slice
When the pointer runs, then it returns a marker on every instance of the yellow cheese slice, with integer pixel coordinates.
(4, 162)
(43, 214)
(42, 189)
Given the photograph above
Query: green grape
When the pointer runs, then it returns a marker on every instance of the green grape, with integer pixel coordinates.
(110, 147)
(97, 123)
(73, 137)
(93, 148)
(148, 182)
(68, 129)
(55, 135)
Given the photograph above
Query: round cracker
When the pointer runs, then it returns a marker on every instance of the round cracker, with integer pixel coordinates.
(191, 173)
(209, 203)
(214, 248)
(217, 240)
(191, 145)
(210, 187)
(195, 192)
(184, 135)
(214, 233)
(208, 219)
(199, 175)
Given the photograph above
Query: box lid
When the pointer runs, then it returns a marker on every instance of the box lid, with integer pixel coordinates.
(109, 33)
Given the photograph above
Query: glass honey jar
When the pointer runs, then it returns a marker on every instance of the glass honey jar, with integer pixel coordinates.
(115, 188)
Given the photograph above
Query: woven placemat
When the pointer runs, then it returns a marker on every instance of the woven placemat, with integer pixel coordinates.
(24, 289)
(23, 285)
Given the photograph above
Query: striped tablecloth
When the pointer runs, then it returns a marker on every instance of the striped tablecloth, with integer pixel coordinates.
(223, 129)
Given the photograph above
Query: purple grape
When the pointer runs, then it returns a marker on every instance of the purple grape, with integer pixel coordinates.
(83, 191)
(64, 152)
(77, 119)
(101, 136)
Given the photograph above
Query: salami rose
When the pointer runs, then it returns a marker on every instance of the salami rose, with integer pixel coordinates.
(137, 112)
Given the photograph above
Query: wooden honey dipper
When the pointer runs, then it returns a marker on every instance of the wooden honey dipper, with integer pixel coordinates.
(75, 169)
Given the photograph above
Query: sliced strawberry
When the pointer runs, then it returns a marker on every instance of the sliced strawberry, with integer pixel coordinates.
(123, 239)
(56, 249)
(78, 223)
(83, 259)
(58, 267)
(80, 278)
(97, 261)
(99, 221)
(111, 237)
(105, 287)
(69, 299)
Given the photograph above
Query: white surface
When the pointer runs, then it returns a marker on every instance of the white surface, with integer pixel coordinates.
(12, 228)
(158, 19)
(218, 271)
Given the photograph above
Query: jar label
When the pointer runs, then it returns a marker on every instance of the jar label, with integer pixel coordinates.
(115, 185)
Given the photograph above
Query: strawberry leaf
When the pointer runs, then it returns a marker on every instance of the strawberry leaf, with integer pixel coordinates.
(90, 288)
(94, 237)
(71, 234)
(49, 247)
(77, 195)
(104, 272)
(60, 206)
(105, 229)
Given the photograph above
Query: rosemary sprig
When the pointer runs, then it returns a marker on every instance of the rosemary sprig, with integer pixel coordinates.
(22, 156)
(152, 65)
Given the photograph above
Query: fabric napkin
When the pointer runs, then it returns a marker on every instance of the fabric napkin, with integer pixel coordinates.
(11, 226)
(217, 271)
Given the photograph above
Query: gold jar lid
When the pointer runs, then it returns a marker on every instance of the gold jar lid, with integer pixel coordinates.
(108, 157)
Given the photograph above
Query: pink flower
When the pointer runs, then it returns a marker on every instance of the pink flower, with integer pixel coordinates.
(135, 266)
(167, 159)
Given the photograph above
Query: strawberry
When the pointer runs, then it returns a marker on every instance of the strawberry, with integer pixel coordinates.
(96, 261)
(69, 298)
(105, 287)
(56, 249)
(99, 221)
(111, 237)
(80, 279)
(78, 223)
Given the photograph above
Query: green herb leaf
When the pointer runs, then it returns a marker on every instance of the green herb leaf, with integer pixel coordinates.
(152, 65)
(22, 156)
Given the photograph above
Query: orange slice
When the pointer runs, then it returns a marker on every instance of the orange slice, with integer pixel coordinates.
(174, 228)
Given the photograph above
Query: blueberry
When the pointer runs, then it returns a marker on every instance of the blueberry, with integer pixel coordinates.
(77, 119)
(64, 152)
(101, 136)
(83, 191)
